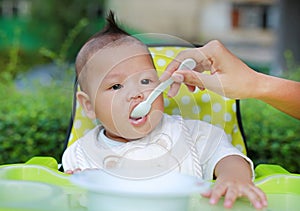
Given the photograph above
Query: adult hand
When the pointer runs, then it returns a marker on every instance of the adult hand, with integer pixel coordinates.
(228, 75)
(232, 78)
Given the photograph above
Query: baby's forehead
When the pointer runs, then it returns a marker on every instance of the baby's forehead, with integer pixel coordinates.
(109, 58)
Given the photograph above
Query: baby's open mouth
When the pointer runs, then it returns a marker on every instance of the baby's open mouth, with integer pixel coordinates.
(135, 119)
(138, 120)
(132, 117)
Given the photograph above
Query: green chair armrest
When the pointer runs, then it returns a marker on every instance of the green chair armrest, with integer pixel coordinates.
(264, 170)
(49, 162)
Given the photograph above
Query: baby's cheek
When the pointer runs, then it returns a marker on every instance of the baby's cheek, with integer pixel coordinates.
(155, 116)
(158, 104)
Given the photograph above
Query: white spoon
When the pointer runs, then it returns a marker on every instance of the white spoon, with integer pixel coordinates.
(144, 107)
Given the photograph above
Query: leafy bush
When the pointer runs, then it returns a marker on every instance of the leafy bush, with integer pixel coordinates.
(33, 123)
(272, 136)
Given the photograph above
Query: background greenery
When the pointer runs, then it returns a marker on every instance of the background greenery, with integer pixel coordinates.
(33, 123)
(272, 137)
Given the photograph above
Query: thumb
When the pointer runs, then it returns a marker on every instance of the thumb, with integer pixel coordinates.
(190, 78)
(201, 80)
(171, 68)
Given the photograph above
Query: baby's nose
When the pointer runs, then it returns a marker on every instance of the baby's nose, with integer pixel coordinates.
(137, 94)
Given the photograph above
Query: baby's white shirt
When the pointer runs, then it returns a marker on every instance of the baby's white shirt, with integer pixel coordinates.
(176, 144)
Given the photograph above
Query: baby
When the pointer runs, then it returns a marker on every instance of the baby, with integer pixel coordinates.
(116, 73)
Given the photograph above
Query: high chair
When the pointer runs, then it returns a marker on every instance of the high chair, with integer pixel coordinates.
(204, 105)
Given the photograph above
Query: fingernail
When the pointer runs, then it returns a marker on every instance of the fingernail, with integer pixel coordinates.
(212, 201)
(228, 204)
(170, 96)
(177, 78)
(258, 205)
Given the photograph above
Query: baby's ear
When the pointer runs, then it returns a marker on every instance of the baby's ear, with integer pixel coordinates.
(86, 104)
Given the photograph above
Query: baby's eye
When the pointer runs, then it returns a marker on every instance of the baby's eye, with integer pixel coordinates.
(145, 81)
(116, 86)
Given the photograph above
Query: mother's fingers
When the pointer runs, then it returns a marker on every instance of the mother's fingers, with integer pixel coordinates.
(179, 77)
(193, 53)
(191, 79)
(210, 57)
(171, 68)
(174, 89)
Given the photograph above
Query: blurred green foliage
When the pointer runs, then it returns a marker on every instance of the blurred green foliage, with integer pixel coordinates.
(14, 60)
(33, 123)
(48, 24)
(53, 19)
(60, 57)
(272, 136)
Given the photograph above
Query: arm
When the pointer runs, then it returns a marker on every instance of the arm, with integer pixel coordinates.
(280, 93)
(232, 78)
(234, 179)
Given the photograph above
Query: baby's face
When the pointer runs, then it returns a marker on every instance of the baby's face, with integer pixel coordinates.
(125, 78)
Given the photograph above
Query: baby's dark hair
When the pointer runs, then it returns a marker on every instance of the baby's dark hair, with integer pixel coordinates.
(111, 27)
(109, 35)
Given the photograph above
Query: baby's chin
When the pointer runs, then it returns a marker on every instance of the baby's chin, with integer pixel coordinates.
(127, 137)
(154, 119)
(137, 132)
(129, 133)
